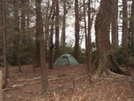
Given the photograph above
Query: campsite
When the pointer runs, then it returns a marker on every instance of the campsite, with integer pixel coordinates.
(66, 59)
(67, 50)
(67, 83)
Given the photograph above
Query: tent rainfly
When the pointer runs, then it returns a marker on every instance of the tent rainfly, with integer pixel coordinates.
(66, 59)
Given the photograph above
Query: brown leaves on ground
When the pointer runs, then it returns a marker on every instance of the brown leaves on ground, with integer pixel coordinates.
(67, 83)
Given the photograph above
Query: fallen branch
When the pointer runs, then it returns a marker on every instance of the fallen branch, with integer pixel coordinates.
(20, 85)
(49, 78)
(26, 83)
(36, 78)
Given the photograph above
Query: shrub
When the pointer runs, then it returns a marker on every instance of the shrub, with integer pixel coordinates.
(119, 55)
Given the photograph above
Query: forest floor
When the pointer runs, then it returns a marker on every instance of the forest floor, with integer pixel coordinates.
(67, 83)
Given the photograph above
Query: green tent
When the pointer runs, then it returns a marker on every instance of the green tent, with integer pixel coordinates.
(66, 59)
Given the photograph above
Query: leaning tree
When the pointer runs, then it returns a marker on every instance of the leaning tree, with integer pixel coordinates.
(105, 62)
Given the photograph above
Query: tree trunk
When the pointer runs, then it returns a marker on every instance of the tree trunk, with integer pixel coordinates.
(51, 48)
(23, 13)
(37, 51)
(89, 47)
(57, 31)
(131, 31)
(6, 71)
(1, 35)
(29, 39)
(38, 61)
(17, 35)
(125, 27)
(105, 61)
(76, 51)
(63, 29)
(39, 26)
(115, 23)
(51, 16)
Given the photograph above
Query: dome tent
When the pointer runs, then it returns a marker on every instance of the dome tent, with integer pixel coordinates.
(66, 59)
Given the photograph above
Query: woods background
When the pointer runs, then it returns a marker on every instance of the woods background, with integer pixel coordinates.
(28, 27)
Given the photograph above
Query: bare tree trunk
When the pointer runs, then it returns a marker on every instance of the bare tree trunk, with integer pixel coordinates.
(23, 13)
(37, 51)
(51, 49)
(51, 16)
(102, 27)
(39, 26)
(76, 51)
(89, 46)
(64, 28)
(131, 31)
(38, 61)
(115, 23)
(105, 61)
(6, 71)
(57, 30)
(86, 34)
(29, 39)
(125, 27)
(1, 35)
(17, 34)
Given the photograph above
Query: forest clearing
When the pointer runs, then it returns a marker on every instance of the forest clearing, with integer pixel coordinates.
(67, 83)
(98, 33)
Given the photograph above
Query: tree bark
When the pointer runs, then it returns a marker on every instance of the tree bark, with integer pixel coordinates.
(89, 45)
(23, 13)
(51, 16)
(37, 51)
(76, 51)
(131, 31)
(64, 28)
(6, 71)
(105, 61)
(29, 39)
(57, 31)
(17, 35)
(125, 27)
(115, 23)
(51, 49)
(41, 40)
(38, 61)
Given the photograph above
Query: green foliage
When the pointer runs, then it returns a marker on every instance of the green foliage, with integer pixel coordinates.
(94, 55)
(82, 56)
(10, 56)
(25, 55)
(119, 55)
(130, 60)
(131, 48)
